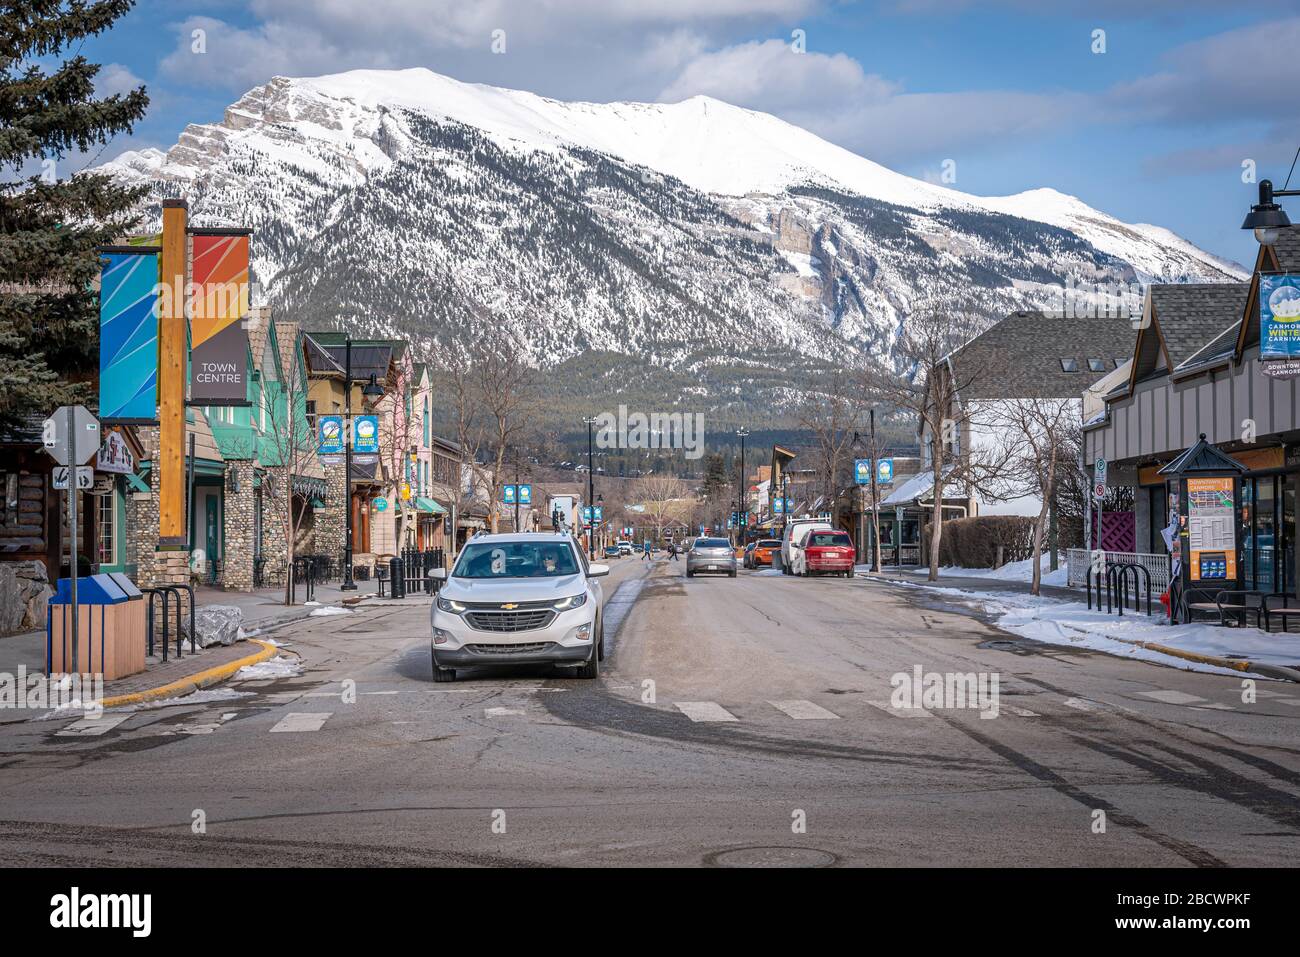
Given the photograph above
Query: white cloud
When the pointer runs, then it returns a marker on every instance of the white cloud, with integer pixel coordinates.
(114, 78)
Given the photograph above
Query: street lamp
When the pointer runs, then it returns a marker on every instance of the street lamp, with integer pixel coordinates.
(1266, 217)
(591, 491)
(743, 511)
(371, 390)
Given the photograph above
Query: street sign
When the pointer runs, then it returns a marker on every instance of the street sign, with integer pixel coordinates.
(85, 477)
(1099, 479)
(56, 434)
(115, 455)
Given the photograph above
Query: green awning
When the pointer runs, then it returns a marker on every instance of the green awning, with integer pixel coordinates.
(429, 505)
(317, 503)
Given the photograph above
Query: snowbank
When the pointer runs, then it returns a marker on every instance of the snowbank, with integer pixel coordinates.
(1014, 571)
(1071, 623)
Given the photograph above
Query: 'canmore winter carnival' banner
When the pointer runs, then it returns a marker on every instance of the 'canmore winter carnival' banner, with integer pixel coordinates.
(1279, 317)
(128, 334)
(219, 301)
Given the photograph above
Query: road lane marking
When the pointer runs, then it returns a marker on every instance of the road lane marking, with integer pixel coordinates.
(303, 721)
(1172, 697)
(1020, 712)
(704, 711)
(502, 712)
(1083, 704)
(802, 710)
(900, 712)
(89, 727)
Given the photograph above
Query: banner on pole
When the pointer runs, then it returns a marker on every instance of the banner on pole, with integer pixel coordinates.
(218, 305)
(128, 334)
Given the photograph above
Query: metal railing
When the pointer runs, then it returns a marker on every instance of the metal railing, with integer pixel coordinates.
(167, 591)
(1079, 564)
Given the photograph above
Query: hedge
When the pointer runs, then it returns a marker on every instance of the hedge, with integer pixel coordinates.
(973, 542)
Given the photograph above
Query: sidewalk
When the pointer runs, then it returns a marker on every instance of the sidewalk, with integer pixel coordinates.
(1060, 616)
(263, 612)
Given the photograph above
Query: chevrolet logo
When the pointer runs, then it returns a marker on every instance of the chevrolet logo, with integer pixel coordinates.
(509, 606)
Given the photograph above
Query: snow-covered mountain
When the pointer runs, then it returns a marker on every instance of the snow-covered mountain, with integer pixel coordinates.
(692, 246)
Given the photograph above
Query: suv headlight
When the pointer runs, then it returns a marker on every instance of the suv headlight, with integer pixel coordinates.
(573, 601)
(450, 605)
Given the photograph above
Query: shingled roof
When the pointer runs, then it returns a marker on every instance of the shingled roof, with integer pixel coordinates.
(1287, 249)
(1192, 314)
(1020, 357)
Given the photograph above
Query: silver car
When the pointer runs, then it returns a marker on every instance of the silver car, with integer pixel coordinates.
(711, 556)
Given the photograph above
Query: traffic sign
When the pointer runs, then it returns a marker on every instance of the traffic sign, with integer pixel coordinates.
(57, 435)
(1099, 492)
(85, 477)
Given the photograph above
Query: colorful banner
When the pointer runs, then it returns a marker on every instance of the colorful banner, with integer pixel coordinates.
(331, 435)
(365, 434)
(218, 304)
(1279, 317)
(128, 336)
(525, 495)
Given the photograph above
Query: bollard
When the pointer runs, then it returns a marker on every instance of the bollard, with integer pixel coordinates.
(396, 578)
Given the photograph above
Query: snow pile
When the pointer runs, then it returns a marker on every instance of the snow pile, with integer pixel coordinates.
(1014, 571)
(326, 610)
(1071, 623)
(278, 667)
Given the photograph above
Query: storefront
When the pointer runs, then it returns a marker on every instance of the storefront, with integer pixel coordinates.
(1197, 370)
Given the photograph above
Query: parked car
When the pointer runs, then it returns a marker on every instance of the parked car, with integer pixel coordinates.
(518, 599)
(613, 551)
(759, 554)
(825, 553)
(793, 537)
(710, 556)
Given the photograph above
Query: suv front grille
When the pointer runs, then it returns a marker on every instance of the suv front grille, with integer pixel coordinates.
(526, 649)
(499, 621)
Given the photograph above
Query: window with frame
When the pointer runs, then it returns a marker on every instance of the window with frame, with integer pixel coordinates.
(1069, 365)
(105, 529)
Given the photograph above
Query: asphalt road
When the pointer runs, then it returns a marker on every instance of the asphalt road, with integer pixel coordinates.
(740, 722)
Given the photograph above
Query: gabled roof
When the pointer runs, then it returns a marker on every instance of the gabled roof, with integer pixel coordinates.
(1190, 315)
(318, 359)
(1020, 357)
(1202, 458)
(1282, 256)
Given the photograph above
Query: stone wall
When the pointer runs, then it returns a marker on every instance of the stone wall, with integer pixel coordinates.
(24, 593)
(237, 560)
(331, 520)
(142, 519)
(274, 545)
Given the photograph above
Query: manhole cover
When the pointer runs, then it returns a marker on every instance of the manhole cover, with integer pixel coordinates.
(770, 857)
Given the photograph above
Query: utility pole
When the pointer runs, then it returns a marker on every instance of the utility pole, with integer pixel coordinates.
(73, 571)
(875, 499)
(516, 491)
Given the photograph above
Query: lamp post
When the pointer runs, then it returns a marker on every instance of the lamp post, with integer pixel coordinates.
(591, 491)
(371, 390)
(1266, 217)
(743, 511)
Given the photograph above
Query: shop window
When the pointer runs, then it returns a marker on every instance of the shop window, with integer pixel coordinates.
(105, 528)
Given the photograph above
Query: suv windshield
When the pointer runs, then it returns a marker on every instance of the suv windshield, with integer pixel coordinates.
(712, 543)
(828, 538)
(515, 560)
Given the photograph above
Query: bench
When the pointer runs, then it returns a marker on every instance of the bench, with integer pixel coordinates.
(1285, 611)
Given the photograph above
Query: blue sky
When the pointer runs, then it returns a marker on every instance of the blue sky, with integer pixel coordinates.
(1154, 129)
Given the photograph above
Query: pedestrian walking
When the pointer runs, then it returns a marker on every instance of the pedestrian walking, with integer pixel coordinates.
(645, 551)
(672, 553)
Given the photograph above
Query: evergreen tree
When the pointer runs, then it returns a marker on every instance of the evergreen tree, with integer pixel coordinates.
(51, 222)
(714, 488)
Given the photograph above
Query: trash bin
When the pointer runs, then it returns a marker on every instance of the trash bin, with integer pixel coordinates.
(111, 622)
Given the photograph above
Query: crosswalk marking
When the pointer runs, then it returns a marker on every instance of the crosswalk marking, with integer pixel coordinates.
(502, 712)
(802, 710)
(900, 712)
(1171, 697)
(705, 711)
(303, 721)
(89, 727)
(1020, 712)
(1082, 704)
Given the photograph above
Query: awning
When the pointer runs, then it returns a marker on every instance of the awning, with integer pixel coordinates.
(429, 505)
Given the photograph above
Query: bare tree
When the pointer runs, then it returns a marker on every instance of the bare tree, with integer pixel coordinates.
(665, 499)
(1038, 433)
(930, 389)
(833, 408)
(288, 436)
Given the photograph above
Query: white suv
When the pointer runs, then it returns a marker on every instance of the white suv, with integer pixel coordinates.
(792, 542)
(519, 599)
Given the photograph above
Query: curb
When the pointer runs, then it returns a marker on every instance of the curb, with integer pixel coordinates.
(193, 682)
(1232, 664)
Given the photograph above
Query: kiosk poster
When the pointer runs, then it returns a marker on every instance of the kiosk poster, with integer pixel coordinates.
(1211, 530)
